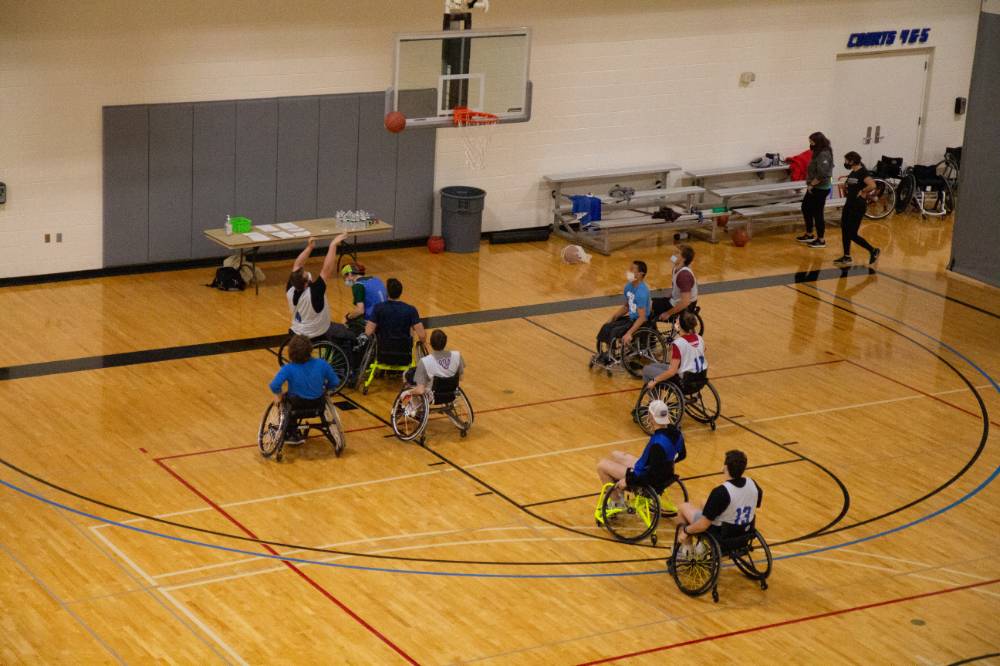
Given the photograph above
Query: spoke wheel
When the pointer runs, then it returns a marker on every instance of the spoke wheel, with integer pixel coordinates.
(272, 430)
(697, 570)
(637, 519)
(646, 348)
(668, 393)
(883, 202)
(409, 415)
(704, 406)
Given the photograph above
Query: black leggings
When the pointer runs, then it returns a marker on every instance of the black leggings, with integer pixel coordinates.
(615, 329)
(850, 223)
(813, 205)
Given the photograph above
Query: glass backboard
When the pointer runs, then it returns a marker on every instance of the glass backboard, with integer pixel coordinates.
(483, 70)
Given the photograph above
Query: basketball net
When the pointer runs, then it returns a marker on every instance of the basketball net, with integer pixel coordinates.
(476, 129)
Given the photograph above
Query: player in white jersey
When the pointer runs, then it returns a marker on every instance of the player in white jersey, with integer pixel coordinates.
(734, 502)
(307, 302)
(439, 363)
(687, 355)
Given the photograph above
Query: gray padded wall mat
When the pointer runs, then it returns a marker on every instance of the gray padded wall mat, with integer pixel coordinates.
(126, 185)
(173, 170)
(256, 159)
(214, 178)
(376, 163)
(298, 150)
(975, 243)
(338, 154)
(170, 138)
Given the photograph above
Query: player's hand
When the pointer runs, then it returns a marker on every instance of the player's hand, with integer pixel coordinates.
(651, 384)
(620, 485)
(311, 243)
(627, 338)
(340, 238)
(277, 398)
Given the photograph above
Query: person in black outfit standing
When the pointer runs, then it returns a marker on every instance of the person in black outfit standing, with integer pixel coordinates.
(818, 174)
(859, 185)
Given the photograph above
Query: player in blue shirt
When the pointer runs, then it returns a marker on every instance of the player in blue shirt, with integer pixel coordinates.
(630, 316)
(308, 380)
(655, 467)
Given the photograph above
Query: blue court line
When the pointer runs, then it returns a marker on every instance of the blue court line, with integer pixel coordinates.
(614, 574)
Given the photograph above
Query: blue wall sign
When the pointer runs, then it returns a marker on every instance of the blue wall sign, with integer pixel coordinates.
(888, 37)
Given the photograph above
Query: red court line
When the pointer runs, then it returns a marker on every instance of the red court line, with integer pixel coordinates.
(525, 404)
(797, 620)
(357, 618)
(916, 390)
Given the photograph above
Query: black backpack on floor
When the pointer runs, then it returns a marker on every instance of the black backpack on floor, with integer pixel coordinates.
(228, 279)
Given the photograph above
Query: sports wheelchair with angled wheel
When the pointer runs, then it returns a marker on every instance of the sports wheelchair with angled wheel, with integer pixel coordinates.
(411, 411)
(639, 513)
(926, 190)
(696, 570)
(382, 355)
(666, 327)
(320, 415)
(329, 352)
(693, 395)
(647, 347)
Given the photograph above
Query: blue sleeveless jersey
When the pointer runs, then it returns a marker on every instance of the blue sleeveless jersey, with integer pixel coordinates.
(374, 294)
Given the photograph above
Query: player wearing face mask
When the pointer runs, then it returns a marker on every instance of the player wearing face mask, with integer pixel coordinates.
(366, 293)
(630, 316)
(683, 287)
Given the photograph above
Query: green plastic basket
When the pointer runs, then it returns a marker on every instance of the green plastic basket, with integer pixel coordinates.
(241, 225)
(719, 209)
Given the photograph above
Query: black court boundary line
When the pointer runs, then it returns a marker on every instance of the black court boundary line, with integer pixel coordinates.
(983, 415)
(438, 321)
(683, 478)
(972, 659)
(938, 293)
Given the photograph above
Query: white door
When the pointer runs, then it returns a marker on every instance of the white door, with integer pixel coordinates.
(879, 101)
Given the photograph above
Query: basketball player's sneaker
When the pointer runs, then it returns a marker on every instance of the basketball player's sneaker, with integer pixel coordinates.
(295, 437)
(805, 238)
(817, 244)
(844, 260)
(667, 508)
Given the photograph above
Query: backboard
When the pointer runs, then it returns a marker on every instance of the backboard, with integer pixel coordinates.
(484, 70)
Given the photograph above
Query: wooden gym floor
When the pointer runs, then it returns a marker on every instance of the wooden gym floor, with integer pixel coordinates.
(134, 496)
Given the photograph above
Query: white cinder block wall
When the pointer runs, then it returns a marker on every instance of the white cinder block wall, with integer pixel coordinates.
(616, 83)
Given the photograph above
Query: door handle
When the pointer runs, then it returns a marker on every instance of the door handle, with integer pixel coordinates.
(877, 136)
(868, 137)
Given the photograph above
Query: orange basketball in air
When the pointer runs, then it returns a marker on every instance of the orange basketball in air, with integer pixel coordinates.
(395, 122)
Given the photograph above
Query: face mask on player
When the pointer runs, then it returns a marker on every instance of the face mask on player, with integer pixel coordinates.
(630, 276)
(847, 165)
(673, 258)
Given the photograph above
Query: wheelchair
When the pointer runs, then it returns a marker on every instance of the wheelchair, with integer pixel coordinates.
(668, 333)
(329, 352)
(647, 347)
(927, 191)
(694, 395)
(698, 571)
(641, 514)
(383, 355)
(886, 175)
(411, 411)
(274, 425)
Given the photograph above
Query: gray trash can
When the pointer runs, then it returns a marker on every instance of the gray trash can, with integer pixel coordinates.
(462, 217)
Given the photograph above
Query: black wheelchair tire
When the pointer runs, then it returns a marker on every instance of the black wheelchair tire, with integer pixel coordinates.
(887, 196)
(905, 191)
(648, 345)
(420, 423)
(270, 445)
(648, 530)
(746, 563)
(333, 428)
(700, 411)
(712, 565)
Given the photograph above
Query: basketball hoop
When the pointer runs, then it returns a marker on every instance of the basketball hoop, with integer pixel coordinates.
(476, 128)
